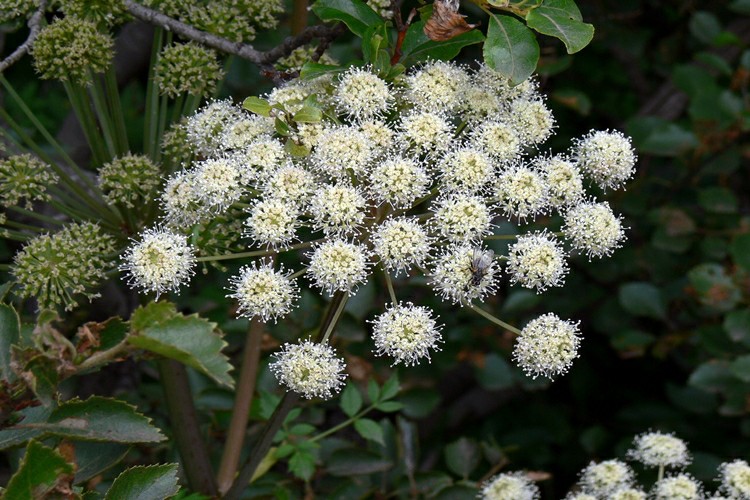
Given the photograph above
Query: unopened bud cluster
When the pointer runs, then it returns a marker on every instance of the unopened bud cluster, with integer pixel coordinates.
(366, 177)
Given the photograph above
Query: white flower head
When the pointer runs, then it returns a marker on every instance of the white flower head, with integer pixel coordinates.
(580, 495)
(497, 139)
(677, 487)
(466, 169)
(338, 209)
(607, 157)
(180, 201)
(547, 346)
(399, 181)
(628, 494)
(500, 85)
(407, 333)
(160, 262)
(401, 243)
(205, 129)
(309, 369)
(563, 179)
(735, 478)
(532, 120)
(336, 265)
(604, 478)
(479, 102)
(426, 131)
(263, 292)
(537, 260)
(510, 486)
(379, 133)
(217, 183)
(460, 218)
(362, 94)
(658, 449)
(309, 133)
(438, 85)
(340, 150)
(290, 96)
(260, 159)
(593, 228)
(456, 277)
(240, 134)
(272, 222)
(292, 184)
(522, 192)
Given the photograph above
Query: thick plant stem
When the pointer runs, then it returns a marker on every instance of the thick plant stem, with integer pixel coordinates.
(299, 17)
(285, 406)
(184, 421)
(230, 458)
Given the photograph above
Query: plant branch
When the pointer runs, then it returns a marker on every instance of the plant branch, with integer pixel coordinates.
(185, 427)
(243, 50)
(230, 457)
(35, 26)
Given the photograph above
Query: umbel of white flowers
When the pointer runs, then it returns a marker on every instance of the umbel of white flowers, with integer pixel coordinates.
(362, 177)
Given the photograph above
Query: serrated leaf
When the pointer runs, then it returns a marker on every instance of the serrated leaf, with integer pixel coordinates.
(370, 430)
(511, 48)
(39, 372)
(191, 340)
(357, 15)
(13, 436)
(352, 462)
(145, 483)
(302, 465)
(10, 332)
(643, 299)
(98, 419)
(462, 456)
(257, 105)
(93, 458)
(151, 314)
(351, 400)
(38, 473)
(562, 19)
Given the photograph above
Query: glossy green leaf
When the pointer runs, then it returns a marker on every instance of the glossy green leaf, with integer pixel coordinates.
(302, 465)
(257, 105)
(390, 387)
(145, 483)
(98, 419)
(389, 406)
(357, 15)
(711, 376)
(312, 70)
(511, 48)
(462, 456)
(308, 114)
(38, 473)
(705, 26)
(740, 250)
(10, 331)
(39, 372)
(190, 340)
(93, 458)
(20, 433)
(740, 367)
(418, 403)
(373, 391)
(370, 430)
(561, 19)
(354, 462)
(351, 400)
(643, 299)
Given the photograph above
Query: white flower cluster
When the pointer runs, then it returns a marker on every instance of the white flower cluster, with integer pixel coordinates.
(411, 176)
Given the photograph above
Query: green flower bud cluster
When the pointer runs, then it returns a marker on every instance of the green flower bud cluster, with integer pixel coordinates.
(187, 68)
(175, 144)
(56, 269)
(101, 12)
(24, 177)
(129, 180)
(71, 49)
(13, 9)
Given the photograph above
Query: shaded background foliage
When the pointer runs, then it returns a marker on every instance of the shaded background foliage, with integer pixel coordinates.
(665, 320)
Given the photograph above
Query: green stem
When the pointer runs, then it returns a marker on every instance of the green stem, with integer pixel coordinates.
(177, 109)
(102, 113)
(343, 424)
(495, 320)
(88, 123)
(103, 357)
(115, 105)
(150, 146)
(184, 419)
(191, 104)
(501, 237)
(298, 273)
(660, 474)
(389, 284)
(256, 253)
(161, 125)
(37, 216)
(339, 301)
(230, 458)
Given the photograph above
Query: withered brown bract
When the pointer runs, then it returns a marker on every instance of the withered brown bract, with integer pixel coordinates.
(445, 22)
